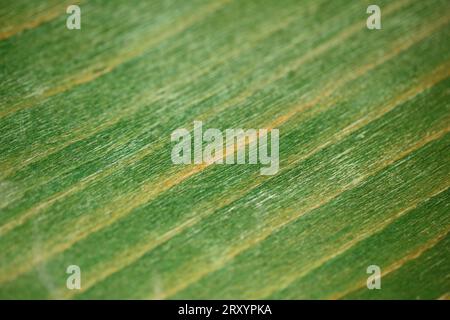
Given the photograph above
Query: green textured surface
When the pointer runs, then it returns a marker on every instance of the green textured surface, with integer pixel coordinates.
(86, 176)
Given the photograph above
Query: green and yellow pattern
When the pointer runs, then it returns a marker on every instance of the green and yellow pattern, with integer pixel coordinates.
(86, 176)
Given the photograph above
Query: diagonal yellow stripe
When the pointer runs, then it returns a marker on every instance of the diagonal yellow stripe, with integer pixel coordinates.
(347, 246)
(112, 63)
(46, 16)
(396, 265)
(398, 47)
(291, 216)
(146, 193)
(125, 259)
